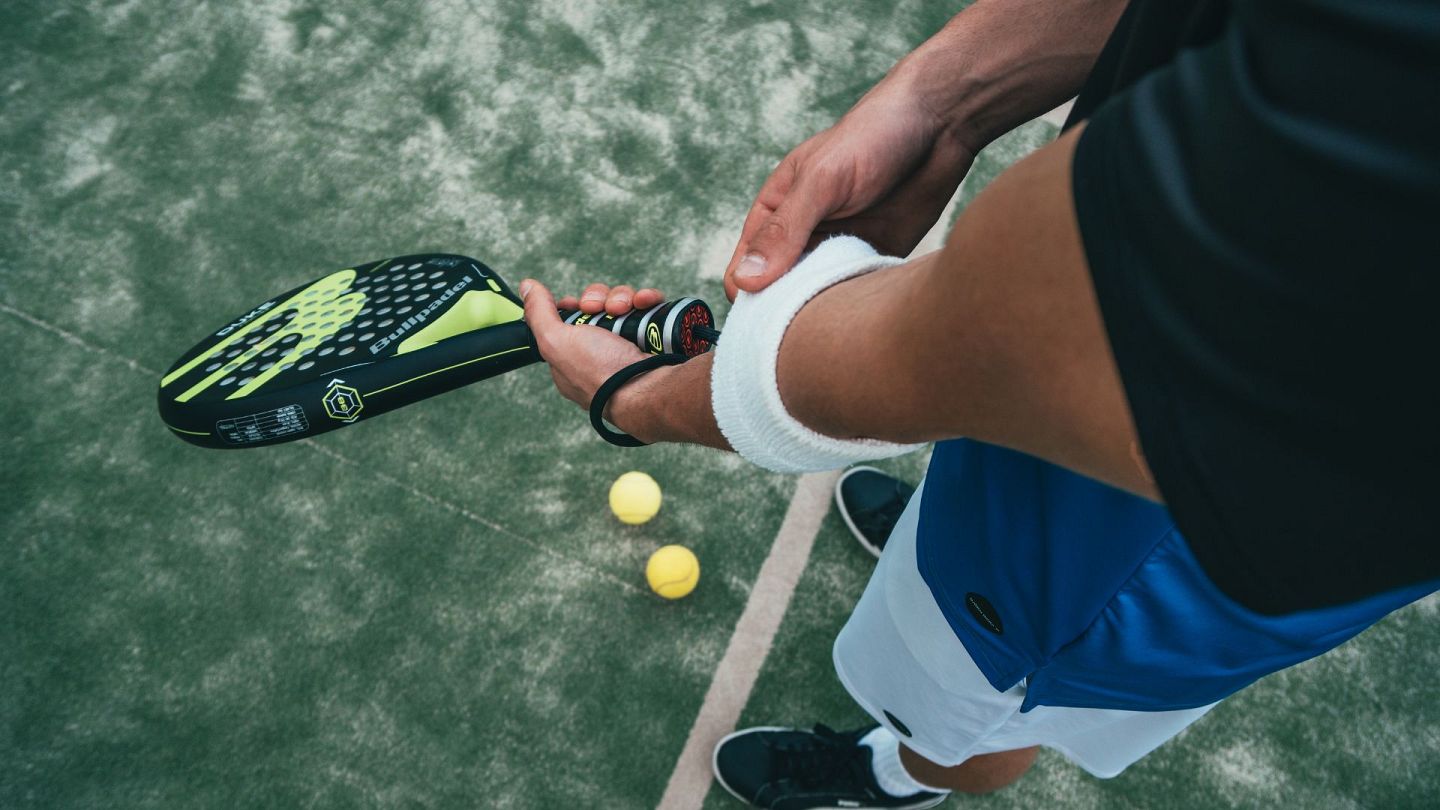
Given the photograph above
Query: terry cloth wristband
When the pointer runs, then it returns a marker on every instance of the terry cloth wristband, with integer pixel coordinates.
(608, 388)
(744, 391)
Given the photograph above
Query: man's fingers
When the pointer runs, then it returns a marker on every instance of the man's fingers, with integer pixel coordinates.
(613, 301)
(619, 300)
(772, 194)
(540, 313)
(592, 301)
(648, 297)
(781, 238)
(759, 212)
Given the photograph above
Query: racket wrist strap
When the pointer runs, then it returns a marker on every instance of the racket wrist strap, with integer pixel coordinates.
(608, 388)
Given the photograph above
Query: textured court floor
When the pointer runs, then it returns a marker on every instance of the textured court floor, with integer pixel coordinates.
(433, 609)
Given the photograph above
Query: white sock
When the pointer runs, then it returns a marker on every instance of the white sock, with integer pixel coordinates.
(890, 772)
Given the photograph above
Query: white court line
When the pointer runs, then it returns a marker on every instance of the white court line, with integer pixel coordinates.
(76, 340)
(935, 238)
(750, 643)
(1058, 115)
(472, 517)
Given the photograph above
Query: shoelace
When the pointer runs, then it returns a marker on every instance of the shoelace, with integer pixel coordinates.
(822, 758)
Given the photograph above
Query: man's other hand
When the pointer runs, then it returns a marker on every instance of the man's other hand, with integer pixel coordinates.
(884, 173)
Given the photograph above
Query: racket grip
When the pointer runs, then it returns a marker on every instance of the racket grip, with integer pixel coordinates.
(685, 326)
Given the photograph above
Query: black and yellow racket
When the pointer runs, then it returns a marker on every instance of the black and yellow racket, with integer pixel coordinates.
(373, 338)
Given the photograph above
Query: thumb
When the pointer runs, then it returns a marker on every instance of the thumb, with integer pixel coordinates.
(780, 239)
(540, 313)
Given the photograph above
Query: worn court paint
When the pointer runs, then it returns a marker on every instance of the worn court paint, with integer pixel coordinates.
(1056, 117)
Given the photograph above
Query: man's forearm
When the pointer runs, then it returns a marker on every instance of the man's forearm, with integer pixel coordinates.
(1000, 63)
(998, 337)
(670, 404)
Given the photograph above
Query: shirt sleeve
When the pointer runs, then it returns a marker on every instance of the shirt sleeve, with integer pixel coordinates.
(1258, 217)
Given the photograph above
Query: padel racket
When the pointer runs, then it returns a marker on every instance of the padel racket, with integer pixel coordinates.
(373, 338)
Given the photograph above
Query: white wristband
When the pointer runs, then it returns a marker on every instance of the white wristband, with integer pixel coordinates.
(744, 390)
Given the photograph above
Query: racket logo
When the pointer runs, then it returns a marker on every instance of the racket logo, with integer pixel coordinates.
(418, 318)
(244, 319)
(653, 339)
(342, 402)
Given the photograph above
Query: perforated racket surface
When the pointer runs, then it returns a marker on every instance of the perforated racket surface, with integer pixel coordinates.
(368, 339)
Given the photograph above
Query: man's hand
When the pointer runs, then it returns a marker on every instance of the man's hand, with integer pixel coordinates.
(614, 301)
(997, 337)
(883, 173)
(582, 358)
(667, 404)
(887, 169)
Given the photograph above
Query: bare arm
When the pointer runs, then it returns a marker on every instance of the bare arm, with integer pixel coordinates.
(1000, 63)
(885, 171)
(998, 337)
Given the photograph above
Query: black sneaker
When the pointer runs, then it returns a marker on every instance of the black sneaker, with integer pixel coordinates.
(790, 769)
(871, 503)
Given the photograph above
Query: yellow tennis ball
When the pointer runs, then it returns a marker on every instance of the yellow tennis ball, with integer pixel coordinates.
(634, 497)
(672, 571)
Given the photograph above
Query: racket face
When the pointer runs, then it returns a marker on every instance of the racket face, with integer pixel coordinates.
(350, 345)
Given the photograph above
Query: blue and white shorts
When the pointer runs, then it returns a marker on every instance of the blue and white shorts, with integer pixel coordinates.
(904, 665)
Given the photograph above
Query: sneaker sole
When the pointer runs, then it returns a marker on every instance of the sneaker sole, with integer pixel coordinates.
(874, 550)
(715, 769)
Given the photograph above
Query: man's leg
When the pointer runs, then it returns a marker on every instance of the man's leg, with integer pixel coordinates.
(789, 768)
(871, 503)
(982, 773)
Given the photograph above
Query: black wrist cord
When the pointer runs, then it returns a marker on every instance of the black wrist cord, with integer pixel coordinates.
(610, 386)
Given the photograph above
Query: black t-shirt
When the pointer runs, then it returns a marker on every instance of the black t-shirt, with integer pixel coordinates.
(1258, 190)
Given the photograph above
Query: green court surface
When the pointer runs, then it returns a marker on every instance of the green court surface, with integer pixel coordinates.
(434, 609)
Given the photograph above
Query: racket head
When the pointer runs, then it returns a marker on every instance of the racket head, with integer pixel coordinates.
(350, 345)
